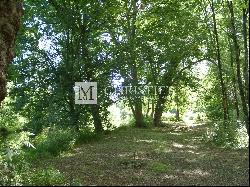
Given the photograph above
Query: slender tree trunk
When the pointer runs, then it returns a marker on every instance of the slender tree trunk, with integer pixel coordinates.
(134, 67)
(148, 108)
(222, 84)
(177, 116)
(246, 68)
(153, 108)
(236, 103)
(138, 115)
(10, 20)
(238, 68)
(74, 114)
(137, 100)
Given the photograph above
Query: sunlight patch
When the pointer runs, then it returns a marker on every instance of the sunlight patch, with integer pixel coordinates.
(196, 172)
(178, 145)
(147, 141)
(170, 177)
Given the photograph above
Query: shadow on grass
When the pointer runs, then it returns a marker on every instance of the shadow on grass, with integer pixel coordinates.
(157, 156)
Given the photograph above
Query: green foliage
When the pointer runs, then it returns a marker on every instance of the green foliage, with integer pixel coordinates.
(9, 119)
(25, 176)
(86, 136)
(199, 117)
(148, 121)
(12, 161)
(226, 134)
(168, 116)
(44, 177)
(131, 122)
(142, 43)
(53, 142)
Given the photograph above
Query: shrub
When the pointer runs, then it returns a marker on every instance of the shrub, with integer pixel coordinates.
(86, 135)
(12, 162)
(148, 121)
(43, 177)
(53, 142)
(131, 122)
(226, 134)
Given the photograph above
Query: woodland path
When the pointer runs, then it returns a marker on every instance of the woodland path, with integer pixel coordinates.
(170, 155)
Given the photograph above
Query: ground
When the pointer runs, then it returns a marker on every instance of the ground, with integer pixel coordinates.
(169, 155)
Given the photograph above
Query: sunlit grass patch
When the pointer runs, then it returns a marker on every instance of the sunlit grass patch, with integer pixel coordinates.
(158, 167)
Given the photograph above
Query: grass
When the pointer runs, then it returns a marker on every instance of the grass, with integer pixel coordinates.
(158, 156)
(158, 167)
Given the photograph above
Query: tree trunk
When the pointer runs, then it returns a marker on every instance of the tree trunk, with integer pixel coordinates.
(158, 112)
(153, 108)
(246, 68)
(148, 108)
(222, 84)
(138, 115)
(73, 113)
(10, 20)
(236, 103)
(177, 116)
(95, 112)
(132, 60)
(162, 96)
(238, 68)
(160, 106)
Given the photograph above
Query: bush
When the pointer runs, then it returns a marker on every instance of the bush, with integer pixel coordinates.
(43, 177)
(148, 121)
(12, 162)
(131, 122)
(226, 134)
(86, 136)
(53, 142)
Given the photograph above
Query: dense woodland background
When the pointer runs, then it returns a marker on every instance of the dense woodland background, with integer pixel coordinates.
(196, 49)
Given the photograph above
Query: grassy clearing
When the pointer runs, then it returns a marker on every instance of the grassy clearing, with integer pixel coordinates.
(169, 155)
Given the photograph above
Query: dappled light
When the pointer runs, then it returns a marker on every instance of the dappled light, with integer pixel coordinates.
(146, 141)
(178, 145)
(124, 93)
(196, 173)
(144, 153)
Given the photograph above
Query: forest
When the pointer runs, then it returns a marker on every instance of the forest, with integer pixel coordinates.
(124, 92)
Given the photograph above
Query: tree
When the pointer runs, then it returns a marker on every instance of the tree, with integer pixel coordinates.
(238, 64)
(218, 55)
(245, 11)
(180, 53)
(10, 21)
(47, 76)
